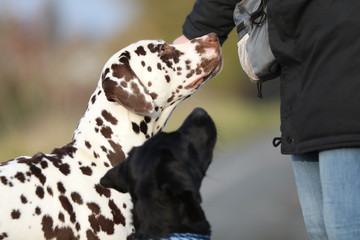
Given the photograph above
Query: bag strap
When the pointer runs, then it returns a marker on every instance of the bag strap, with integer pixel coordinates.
(258, 14)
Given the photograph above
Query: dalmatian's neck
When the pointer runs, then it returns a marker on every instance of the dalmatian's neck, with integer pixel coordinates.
(108, 131)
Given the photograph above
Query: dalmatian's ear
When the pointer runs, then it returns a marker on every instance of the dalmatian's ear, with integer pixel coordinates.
(121, 85)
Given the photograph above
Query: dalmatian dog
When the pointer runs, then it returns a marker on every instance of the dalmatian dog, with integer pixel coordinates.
(58, 195)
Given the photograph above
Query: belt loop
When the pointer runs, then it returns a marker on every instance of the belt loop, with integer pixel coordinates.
(276, 141)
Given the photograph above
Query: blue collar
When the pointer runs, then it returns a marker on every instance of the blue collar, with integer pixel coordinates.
(185, 236)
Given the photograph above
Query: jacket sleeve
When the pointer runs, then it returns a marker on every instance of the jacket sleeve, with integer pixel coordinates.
(210, 16)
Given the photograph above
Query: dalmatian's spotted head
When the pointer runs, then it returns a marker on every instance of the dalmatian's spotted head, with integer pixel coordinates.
(151, 74)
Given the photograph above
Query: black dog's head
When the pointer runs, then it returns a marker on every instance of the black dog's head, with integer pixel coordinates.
(164, 177)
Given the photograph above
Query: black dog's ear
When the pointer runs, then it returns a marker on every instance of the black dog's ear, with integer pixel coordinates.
(116, 178)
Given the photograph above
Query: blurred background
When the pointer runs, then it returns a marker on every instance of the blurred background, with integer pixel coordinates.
(51, 56)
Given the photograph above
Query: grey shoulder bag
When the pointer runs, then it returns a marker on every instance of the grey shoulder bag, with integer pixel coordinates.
(256, 57)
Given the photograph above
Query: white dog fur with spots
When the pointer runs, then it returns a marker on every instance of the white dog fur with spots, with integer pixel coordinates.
(58, 195)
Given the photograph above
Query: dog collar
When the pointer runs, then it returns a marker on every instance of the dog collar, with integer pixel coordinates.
(185, 236)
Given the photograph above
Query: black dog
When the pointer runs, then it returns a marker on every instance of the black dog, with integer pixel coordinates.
(164, 177)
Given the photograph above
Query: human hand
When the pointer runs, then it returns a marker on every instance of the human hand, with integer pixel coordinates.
(180, 40)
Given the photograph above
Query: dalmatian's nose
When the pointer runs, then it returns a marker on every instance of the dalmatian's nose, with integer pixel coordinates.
(212, 38)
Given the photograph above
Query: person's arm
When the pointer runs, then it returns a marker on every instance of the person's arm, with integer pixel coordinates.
(181, 39)
(209, 16)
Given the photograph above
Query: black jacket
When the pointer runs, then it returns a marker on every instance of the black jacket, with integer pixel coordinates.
(317, 44)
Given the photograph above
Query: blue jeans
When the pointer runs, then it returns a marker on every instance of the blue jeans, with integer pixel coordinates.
(328, 185)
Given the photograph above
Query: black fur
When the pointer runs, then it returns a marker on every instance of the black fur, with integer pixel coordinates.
(164, 177)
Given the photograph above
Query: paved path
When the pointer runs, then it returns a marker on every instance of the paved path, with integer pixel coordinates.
(249, 193)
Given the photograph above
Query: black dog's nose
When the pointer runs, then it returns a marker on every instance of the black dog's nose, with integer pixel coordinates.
(199, 112)
(200, 117)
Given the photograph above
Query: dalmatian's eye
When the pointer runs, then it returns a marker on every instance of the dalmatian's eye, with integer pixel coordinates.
(164, 48)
